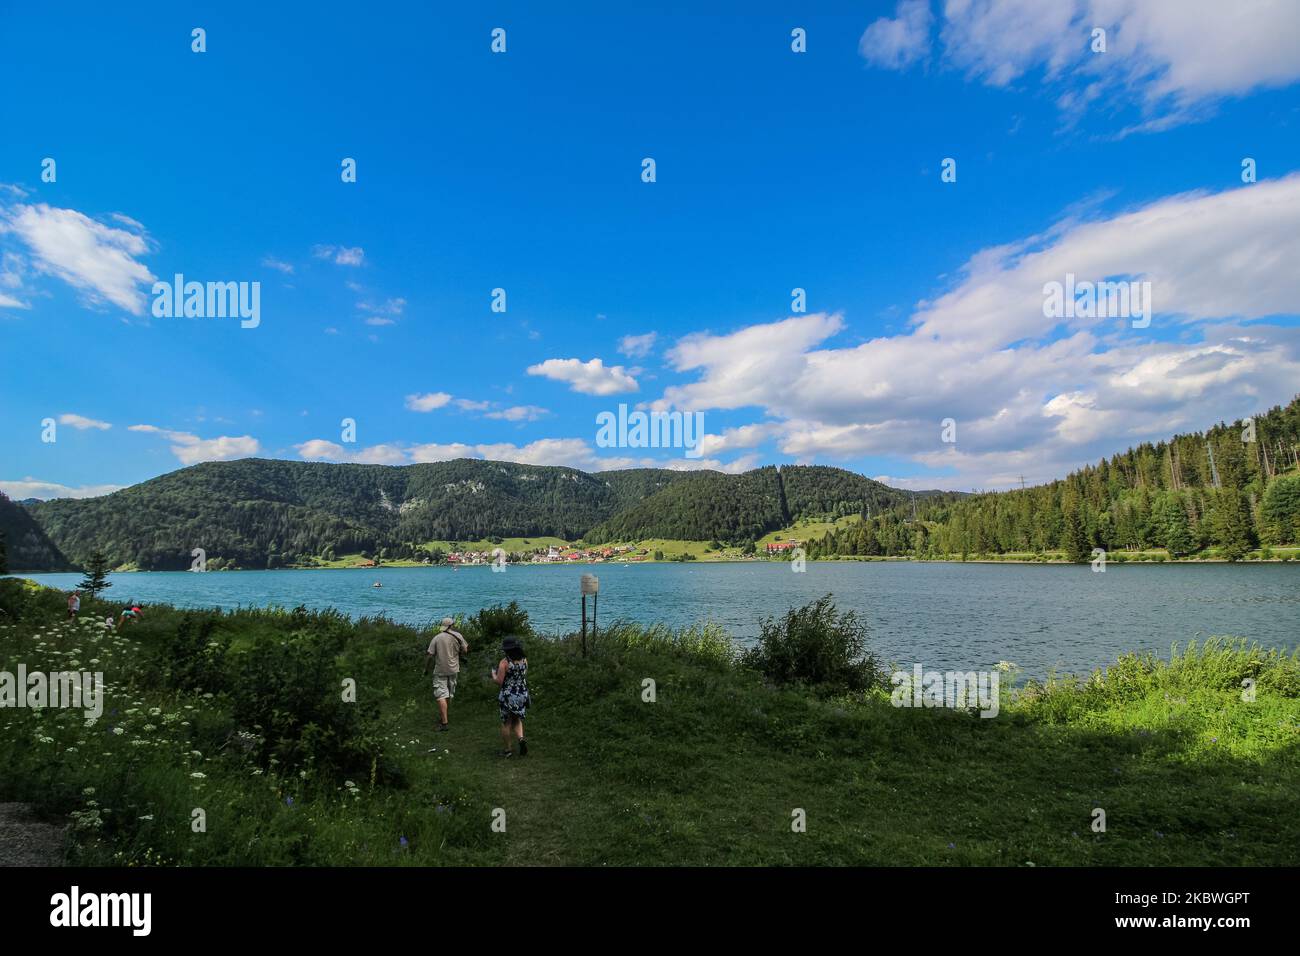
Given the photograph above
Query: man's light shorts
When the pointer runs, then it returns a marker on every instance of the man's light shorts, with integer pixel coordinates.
(444, 685)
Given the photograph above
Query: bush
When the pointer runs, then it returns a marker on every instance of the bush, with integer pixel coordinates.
(192, 659)
(493, 623)
(289, 694)
(817, 646)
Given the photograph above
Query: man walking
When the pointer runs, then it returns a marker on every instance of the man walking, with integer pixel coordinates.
(444, 651)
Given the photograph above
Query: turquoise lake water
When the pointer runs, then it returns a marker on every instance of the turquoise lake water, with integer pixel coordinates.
(942, 615)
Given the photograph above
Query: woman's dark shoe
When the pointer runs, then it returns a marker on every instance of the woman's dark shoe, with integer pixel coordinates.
(523, 747)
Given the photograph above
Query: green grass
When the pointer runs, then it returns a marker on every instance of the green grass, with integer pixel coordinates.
(509, 545)
(807, 529)
(709, 773)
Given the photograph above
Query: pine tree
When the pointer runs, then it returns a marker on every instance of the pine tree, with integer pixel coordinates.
(1232, 524)
(1279, 514)
(1076, 542)
(1178, 532)
(4, 555)
(96, 578)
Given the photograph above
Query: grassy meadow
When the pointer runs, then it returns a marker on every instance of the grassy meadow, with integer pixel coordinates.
(241, 716)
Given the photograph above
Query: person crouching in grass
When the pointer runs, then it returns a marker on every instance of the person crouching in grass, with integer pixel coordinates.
(445, 651)
(512, 676)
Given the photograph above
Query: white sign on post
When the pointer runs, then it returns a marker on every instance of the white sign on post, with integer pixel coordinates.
(590, 584)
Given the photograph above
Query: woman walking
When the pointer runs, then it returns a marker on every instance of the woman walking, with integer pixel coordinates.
(512, 676)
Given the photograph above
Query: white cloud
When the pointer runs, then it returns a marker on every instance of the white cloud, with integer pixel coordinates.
(569, 452)
(637, 346)
(190, 449)
(318, 449)
(273, 263)
(1171, 59)
(745, 367)
(1034, 396)
(31, 488)
(442, 452)
(340, 255)
(427, 402)
(519, 413)
(81, 422)
(97, 259)
(590, 378)
(898, 43)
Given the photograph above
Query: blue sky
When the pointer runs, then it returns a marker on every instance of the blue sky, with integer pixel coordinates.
(522, 170)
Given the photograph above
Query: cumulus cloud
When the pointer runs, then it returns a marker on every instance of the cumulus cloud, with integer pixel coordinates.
(1171, 59)
(1031, 395)
(590, 378)
(190, 449)
(273, 263)
(97, 259)
(427, 402)
(898, 42)
(81, 422)
(568, 452)
(30, 487)
(318, 449)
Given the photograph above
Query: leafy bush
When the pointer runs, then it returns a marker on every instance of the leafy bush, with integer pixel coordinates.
(193, 660)
(815, 645)
(290, 694)
(493, 623)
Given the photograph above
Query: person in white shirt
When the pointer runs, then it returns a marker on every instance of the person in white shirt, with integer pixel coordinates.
(445, 651)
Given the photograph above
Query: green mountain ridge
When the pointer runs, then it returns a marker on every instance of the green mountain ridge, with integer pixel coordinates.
(257, 513)
(27, 547)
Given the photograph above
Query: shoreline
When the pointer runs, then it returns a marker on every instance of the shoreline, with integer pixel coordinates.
(1148, 558)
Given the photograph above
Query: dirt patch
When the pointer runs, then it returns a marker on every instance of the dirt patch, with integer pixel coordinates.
(25, 841)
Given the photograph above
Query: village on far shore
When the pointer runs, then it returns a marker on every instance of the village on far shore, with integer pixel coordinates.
(597, 554)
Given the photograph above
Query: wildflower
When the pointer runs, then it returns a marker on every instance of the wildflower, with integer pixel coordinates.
(198, 776)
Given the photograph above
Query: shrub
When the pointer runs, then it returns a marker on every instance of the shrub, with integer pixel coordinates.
(817, 646)
(192, 659)
(289, 693)
(493, 623)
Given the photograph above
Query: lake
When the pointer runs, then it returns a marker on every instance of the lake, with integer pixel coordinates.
(942, 615)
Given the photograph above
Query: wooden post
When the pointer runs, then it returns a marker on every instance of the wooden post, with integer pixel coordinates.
(589, 584)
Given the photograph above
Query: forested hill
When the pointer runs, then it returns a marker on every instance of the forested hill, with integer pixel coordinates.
(1231, 489)
(26, 546)
(258, 513)
(736, 509)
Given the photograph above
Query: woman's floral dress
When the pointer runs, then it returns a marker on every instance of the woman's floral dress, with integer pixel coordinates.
(514, 699)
